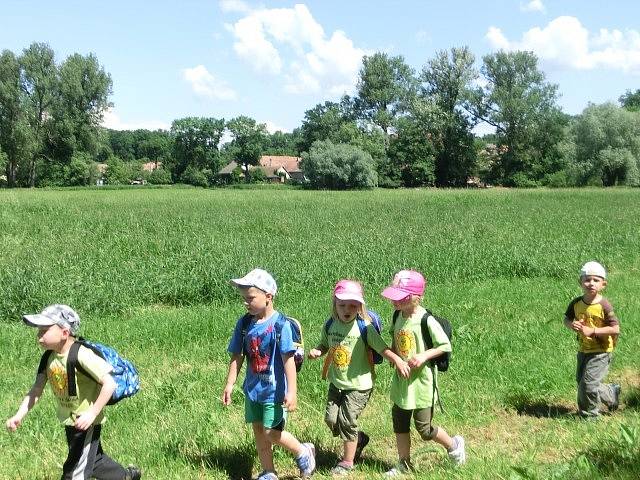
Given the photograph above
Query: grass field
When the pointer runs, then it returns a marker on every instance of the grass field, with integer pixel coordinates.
(148, 270)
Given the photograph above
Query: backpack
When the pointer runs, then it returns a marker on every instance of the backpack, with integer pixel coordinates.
(296, 335)
(374, 357)
(441, 362)
(124, 373)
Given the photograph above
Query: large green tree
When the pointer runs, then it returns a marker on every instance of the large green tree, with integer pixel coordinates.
(338, 166)
(521, 105)
(248, 144)
(385, 89)
(196, 144)
(630, 100)
(447, 80)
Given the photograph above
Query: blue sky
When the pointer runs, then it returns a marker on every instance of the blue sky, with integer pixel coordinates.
(274, 60)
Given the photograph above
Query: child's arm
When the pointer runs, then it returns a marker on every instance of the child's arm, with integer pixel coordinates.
(291, 397)
(28, 402)
(85, 420)
(420, 358)
(403, 367)
(232, 375)
(317, 352)
(598, 331)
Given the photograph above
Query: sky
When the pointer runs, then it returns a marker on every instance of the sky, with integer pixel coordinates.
(274, 60)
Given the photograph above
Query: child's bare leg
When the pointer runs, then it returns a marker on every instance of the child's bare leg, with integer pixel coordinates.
(285, 440)
(263, 445)
(349, 451)
(443, 439)
(403, 442)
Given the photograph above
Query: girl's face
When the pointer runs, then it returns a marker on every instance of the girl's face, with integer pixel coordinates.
(347, 310)
(406, 305)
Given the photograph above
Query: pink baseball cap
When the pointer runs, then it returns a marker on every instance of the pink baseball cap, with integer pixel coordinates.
(348, 290)
(405, 283)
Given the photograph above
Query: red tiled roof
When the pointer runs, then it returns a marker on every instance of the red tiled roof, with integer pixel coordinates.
(290, 164)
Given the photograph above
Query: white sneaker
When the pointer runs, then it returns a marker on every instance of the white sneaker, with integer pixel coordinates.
(402, 468)
(458, 454)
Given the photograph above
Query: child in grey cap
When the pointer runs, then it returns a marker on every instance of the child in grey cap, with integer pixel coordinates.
(82, 415)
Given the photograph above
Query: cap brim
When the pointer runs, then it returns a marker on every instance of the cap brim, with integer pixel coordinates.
(241, 282)
(349, 296)
(394, 294)
(37, 320)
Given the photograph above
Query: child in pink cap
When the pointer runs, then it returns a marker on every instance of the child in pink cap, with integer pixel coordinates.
(347, 337)
(416, 394)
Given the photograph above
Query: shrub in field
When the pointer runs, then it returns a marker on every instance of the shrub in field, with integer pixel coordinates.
(195, 177)
(338, 166)
(159, 176)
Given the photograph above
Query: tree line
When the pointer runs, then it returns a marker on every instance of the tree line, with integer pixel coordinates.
(401, 128)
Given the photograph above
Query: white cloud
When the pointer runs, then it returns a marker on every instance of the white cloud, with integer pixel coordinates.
(290, 43)
(112, 120)
(273, 128)
(533, 6)
(566, 43)
(205, 84)
(234, 6)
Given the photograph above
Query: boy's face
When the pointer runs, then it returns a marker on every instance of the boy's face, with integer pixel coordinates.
(255, 300)
(51, 337)
(592, 284)
(347, 310)
(407, 304)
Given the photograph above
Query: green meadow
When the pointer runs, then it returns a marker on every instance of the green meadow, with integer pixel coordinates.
(148, 271)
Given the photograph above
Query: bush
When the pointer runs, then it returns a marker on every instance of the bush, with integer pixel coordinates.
(195, 177)
(159, 176)
(338, 166)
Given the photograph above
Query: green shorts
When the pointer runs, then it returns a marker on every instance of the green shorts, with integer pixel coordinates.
(271, 415)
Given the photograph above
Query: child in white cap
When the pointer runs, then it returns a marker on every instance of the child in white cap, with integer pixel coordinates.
(82, 414)
(415, 396)
(347, 338)
(265, 338)
(591, 316)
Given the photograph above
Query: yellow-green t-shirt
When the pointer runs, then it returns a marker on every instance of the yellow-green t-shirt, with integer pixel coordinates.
(349, 367)
(596, 315)
(416, 391)
(87, 387)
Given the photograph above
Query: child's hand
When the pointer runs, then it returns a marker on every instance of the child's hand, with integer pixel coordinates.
(586, 330)
(84, 421)
(226, 395)
(291, 401)
(403, 369)
(13, 423)
(314, 353)
(417, 360)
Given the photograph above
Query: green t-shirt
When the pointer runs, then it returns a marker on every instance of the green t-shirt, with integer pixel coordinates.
(349, 367)
(417, 390)
(87, 388)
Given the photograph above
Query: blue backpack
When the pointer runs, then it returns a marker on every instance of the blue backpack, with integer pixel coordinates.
(296, 335)
(123, 371)
(374, 357)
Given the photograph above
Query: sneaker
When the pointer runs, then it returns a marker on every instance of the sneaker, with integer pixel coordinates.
(458, 455)
(403, 467)
(132, 473)
(266, 475)
(363, 441)
(307, 463)
(616, 389)
(341, 469)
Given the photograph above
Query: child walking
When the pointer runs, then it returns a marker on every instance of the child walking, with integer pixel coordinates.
(264, 336)
(416, 395)
(82, 415)
(591, 316)
(347, 337)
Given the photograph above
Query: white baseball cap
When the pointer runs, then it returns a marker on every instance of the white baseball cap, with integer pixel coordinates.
(593, 268)
(257, 278)
(61, 315)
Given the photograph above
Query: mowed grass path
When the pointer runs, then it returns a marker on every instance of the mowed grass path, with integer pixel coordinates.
(148, 271)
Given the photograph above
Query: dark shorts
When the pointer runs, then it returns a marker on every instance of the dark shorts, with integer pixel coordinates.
(421, 418)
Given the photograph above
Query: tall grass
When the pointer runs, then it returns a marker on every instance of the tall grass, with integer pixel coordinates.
(148, 271)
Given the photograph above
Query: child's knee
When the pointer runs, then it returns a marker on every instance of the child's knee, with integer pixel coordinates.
(427, 432)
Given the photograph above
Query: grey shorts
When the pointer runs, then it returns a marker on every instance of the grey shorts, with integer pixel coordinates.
(343, 409)
(421, 418)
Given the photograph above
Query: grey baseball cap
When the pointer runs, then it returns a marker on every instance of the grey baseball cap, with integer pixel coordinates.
(257, 278)
(61, 315)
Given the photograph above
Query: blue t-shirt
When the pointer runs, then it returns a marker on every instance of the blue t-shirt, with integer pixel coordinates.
(265, 381)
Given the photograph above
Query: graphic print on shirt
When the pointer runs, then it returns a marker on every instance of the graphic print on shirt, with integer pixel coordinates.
(341, 356)
(259, 358)
(404, 343)
(58, 380)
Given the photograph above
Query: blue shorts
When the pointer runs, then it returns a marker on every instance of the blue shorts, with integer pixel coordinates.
(271, 415)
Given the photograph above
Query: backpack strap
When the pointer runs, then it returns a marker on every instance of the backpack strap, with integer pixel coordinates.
(428, 342)
(246, 321)
(362, 325)
(44, 359)
(72, 363)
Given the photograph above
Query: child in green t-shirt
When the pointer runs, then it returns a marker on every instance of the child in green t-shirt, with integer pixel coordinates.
(416, 395)
(82, 414)
(349, 368)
